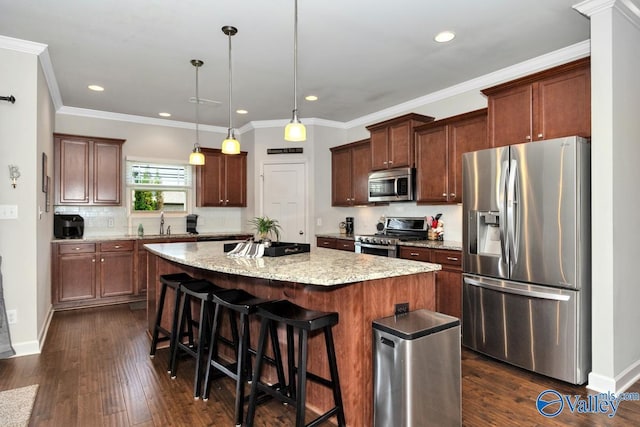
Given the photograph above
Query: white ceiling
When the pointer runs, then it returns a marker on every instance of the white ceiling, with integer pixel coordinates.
(357, 56)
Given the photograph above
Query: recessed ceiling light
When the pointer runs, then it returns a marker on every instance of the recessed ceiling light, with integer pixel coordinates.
(241, 111)
(96, 88)
(444, 36)
(311, 98)
(164, 114)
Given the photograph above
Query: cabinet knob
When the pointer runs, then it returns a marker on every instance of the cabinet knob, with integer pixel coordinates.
(444, 194)
(221, 201)
(101, 259)
(226, 201)
(301, 232)
(384, 163)
(528, 138)
(390, 162)
(93, 260)
(118, 246)
(452, 195)
(539, 135)
(76, 249)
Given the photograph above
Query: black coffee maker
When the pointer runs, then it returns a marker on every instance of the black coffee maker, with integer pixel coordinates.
(349, 225)
(192, 223)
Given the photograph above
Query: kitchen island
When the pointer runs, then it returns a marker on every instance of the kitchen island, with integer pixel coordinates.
(361, 288)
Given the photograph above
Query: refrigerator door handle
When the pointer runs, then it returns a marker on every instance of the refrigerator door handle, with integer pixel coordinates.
(512, 209)
(501, 210)
(517, 290)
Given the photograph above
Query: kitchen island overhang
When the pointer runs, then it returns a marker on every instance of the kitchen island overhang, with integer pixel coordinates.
(360, 287)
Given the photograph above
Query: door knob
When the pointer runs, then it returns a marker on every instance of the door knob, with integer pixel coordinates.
(301, 232)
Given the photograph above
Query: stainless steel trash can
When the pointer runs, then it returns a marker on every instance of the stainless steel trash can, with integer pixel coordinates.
(416, 369)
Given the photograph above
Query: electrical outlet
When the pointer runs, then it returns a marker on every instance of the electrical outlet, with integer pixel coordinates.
(110, 222)
(8, 211)
(12, 316)
(402, 308)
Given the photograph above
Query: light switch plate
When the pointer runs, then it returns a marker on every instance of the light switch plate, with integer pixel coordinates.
(8, 211)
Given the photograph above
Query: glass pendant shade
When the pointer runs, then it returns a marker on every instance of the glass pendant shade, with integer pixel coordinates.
(196, 157)
(295, 130)
(230, 145)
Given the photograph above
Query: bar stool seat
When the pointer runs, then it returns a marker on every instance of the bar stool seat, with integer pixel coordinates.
(305, 321)
(203, 291)
(172, 281)
(244, 304)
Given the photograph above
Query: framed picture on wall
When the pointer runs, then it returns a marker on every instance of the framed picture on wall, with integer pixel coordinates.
(47, 202)
(45, 186)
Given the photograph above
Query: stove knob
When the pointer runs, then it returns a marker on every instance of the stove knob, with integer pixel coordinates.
(384, 241)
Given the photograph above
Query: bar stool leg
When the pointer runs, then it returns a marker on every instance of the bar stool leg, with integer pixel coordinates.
(212, 352)
(202, 333)
(291, 363)
(175, 338)
(302, 377)
(241, 371)
(277, 355)
(156, 328)
(251, 411)
(333, 369)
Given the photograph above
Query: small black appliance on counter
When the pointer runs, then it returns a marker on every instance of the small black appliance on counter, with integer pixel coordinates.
(192, 223)
(349, 224)
(68, 226)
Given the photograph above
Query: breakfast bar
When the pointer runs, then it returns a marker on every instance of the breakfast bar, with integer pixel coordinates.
(360, 287)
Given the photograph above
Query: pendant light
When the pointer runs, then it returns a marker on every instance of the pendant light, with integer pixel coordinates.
(295, 130)
(230, 145)
(196, 157)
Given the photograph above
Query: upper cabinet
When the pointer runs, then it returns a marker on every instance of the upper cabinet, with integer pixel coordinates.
(439, 149)
(222, 180)
(87, 170)
(392, 141)
(350, 166)
(549, 104)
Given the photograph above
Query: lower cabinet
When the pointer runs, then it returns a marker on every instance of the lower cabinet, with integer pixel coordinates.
(448, 280)
(141, 263)
(336, 243)
(90, 274)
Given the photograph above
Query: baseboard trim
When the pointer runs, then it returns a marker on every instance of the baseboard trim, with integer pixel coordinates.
(617, 384)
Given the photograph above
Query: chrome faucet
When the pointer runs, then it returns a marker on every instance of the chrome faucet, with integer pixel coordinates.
(161, 223)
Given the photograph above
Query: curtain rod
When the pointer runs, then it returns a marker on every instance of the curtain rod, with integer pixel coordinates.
(9, 98)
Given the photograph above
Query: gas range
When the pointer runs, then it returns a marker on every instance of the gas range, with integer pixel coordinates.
(392, 231)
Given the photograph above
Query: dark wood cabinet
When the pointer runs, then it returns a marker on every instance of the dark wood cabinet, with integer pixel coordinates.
(439, 147)
(545, 105)
(392, 141)
(448, 280)
(222, 180)
(87, 170)
(92, 274)
(141, 259)
(348, 245)
(350, 166)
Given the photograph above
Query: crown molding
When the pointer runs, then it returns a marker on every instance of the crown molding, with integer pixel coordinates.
(627, 8)
(107, 115)
(50, 77)
(557, 57)
(552, 59)
(23, 46)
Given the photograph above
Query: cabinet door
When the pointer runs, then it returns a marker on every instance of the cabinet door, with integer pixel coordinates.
(563, 105)
(449, 293)
(379, 149)
(142, 271)
(235, 180)
(400, 153)
(511, 116)
(72, 171)
(361, 166)
(76, 277)
(341, 173)
(464, 137)
(106, 173)
(209, 180)
(431, 165)
(116, 273)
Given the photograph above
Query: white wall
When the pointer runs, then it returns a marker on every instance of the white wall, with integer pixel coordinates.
(615, 37)
(22, 140)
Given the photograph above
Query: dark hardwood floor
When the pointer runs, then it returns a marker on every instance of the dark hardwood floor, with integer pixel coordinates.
(95, 370)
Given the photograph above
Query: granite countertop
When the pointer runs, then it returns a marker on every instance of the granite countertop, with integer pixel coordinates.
(322, 267)
(431, 244)
(203, 236)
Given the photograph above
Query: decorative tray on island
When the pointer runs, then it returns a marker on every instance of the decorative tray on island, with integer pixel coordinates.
(278, 248)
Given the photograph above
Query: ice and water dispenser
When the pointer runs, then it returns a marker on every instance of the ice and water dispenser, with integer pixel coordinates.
(484, 233)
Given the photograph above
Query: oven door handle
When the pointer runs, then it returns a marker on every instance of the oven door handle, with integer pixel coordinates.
(374, 246)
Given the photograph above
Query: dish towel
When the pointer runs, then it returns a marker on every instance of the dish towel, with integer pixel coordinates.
(247, 250)
(5, 338)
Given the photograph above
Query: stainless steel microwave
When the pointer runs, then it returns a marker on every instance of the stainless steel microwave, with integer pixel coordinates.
(393, 185)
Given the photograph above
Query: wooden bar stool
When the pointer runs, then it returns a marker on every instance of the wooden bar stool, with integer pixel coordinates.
(305, 321)
(172, 281)
(202, 291)
(243, 304)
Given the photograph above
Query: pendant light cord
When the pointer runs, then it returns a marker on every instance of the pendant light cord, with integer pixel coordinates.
(197, 109)
(230, 84)
(295, 61)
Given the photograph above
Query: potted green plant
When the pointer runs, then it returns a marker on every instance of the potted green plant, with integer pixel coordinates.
(265, 226)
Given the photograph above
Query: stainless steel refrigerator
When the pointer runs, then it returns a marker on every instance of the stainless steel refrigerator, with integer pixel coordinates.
(527, 256)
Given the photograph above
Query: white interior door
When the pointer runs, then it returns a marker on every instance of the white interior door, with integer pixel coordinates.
(284, 199)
